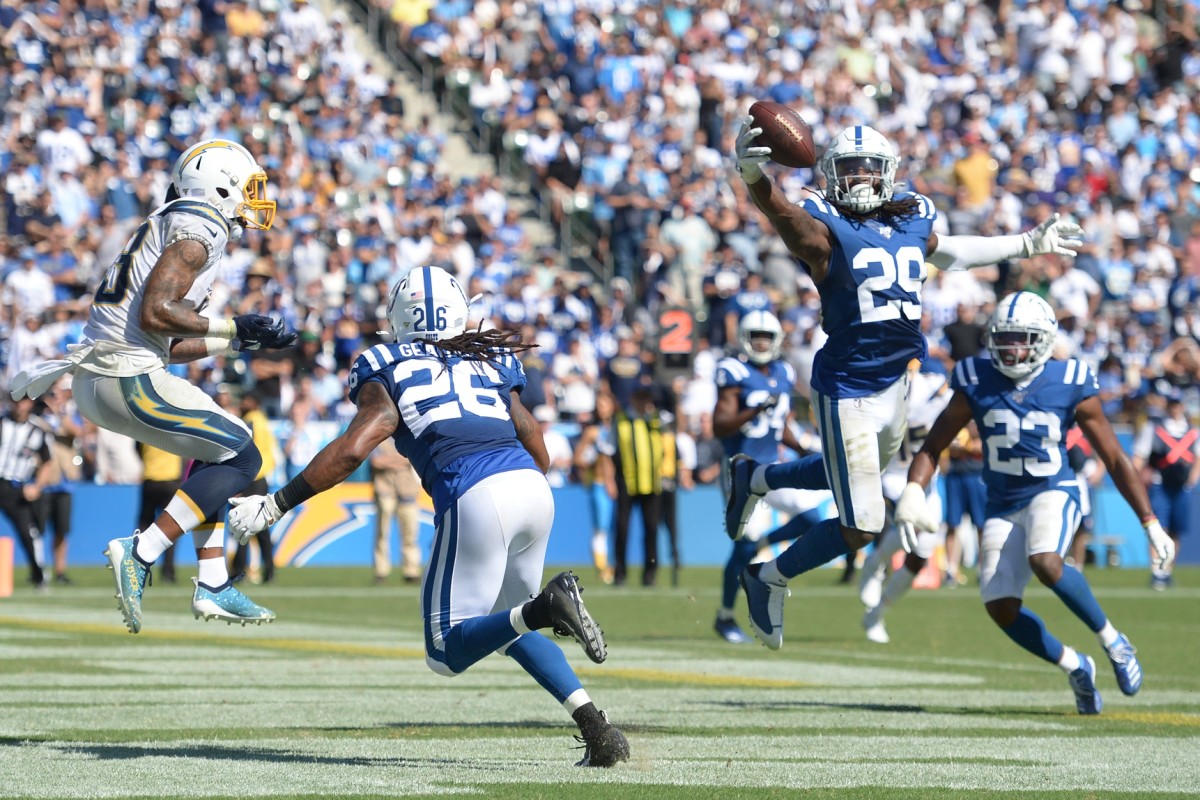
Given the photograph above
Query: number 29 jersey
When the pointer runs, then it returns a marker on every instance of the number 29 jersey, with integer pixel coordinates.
(1024, 427)
(455, 414)
(871, 298)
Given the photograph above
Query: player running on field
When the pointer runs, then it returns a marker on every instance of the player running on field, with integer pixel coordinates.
(1024, 403)
(451, 400)
(145, 314)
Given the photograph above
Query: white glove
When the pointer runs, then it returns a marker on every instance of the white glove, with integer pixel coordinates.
(913, 516)
(249, 515)
(750, 158)
(1053, 236)
(1161, 544)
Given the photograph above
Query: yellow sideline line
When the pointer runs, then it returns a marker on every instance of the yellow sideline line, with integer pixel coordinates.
(1176, 719)
(692, 678)
(297, 645)
(345, 648)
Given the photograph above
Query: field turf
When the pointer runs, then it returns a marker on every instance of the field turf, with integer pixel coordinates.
(335, 700)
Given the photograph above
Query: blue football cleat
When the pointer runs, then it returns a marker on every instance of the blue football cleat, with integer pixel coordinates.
(131, 577)
(1083, 684)
(1123, 656)
(728, 630)
(228, 604)
(766, 607)
(742, 500)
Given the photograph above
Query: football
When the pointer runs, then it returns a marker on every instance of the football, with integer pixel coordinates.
(788, 136)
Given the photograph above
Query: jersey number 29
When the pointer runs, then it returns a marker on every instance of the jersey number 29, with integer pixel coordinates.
(906, 269)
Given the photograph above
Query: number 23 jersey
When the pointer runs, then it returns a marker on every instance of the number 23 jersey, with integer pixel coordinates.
(871, 298)
(1024, 427)
(455, 420)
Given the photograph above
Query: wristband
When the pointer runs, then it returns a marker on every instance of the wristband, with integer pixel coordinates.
(218, 346)
(222, 328)
(293, 494)
(1149, 520)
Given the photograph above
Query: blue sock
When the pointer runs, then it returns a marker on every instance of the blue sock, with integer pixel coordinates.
(1030, 632)
(544, 660)
(1072, 588)
(794, 528)
(743, 551)
(803, 473)
(474, 638)
(823, 543)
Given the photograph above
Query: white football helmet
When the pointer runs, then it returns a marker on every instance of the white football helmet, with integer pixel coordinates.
(427, 304)
(1022, 334)
(859, 166)
(760, 322)
(224, 174)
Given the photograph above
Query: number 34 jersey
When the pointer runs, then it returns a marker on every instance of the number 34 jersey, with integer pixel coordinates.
(1024, 427)
(455, 421)
(871, 298)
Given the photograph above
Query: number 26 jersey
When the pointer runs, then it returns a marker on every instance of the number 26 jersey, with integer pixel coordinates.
(455, 422)
(1024, 427)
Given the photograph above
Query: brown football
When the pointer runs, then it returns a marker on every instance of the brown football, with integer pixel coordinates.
(788, 136)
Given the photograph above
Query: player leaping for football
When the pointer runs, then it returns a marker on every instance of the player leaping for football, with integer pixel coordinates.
(1024, 403)
(146, 313)
(865, 246)
(450, 399)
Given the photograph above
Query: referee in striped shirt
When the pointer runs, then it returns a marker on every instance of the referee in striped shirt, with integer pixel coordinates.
(24, 470)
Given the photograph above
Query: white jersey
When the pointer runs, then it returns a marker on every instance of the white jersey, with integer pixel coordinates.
(928, 394)
(122, 347)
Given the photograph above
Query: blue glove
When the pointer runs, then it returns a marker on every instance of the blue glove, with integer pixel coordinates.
(255, 332)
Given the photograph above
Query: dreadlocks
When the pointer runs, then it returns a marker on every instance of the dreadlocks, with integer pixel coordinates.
(481, 345)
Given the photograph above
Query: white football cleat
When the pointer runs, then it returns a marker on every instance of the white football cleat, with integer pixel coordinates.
(872, 623)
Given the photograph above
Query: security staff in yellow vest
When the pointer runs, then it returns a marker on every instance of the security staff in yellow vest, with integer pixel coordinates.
(671, 479)
(638, 456)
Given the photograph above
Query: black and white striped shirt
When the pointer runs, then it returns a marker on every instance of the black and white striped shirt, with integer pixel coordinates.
(23, 448)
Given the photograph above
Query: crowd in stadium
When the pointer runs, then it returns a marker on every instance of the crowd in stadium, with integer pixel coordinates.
(1001, 112)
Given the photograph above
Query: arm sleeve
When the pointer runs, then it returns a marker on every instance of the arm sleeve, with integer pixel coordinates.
(965, 252)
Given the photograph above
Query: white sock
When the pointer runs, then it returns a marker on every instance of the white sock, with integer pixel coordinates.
(576, 700)
(771, 574)
(212, 572)
(1107, 635)
(1070, 660)
(900, 582)
(517, 619)
(758, 480)
(151, 543)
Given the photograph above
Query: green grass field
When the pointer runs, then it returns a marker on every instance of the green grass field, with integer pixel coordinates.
(335, 700)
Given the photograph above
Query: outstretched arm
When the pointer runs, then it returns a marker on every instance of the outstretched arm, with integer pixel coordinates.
(806, 237)
(375, 420)
(1055, 235)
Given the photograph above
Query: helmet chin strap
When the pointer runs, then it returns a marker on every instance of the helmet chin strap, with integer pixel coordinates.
(235, 231)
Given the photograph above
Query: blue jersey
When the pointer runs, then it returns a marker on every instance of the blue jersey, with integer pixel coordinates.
(1024, 427)
(455, 426)
(871, 299)
(759, 438)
